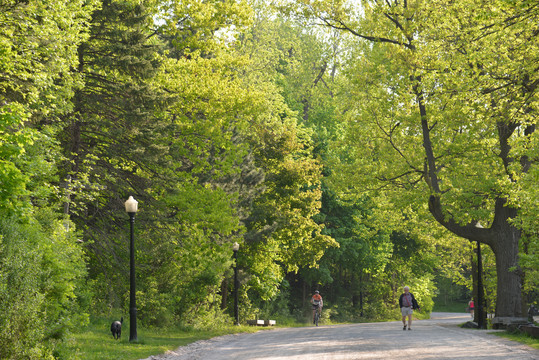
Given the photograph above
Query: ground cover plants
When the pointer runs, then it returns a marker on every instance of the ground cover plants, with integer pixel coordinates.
(95, 342)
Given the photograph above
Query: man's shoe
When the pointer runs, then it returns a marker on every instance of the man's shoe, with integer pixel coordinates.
(404, 328)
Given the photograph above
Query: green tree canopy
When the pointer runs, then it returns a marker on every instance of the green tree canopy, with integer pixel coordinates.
(440, 77)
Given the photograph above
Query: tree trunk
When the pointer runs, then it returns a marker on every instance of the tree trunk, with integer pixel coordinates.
(503, 238)
(304, 295)
(224, 293)
(509, 295)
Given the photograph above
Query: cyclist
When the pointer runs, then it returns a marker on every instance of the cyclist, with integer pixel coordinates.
(317, 303)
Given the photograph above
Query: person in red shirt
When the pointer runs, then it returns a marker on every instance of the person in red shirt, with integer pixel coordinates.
(471, 307)
(317, 302)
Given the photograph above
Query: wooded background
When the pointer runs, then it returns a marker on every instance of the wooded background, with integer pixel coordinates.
(349, 147)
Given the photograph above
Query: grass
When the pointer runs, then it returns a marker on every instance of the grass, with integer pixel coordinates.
(453, 307)
(520, 337)
(96, 343)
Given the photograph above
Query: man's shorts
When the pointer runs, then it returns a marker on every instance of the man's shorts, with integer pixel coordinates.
(406, 311)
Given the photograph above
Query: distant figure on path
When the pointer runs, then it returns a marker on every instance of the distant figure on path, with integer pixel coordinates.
(317, 302)
(408, 304)
(471, 307)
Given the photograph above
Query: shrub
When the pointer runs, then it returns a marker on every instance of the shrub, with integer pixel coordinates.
(42, 270)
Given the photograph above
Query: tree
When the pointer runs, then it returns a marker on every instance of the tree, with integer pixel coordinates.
(43, 270)
(201, 146)
(37, 50)
(362, 256)
(281, 228)
(430, 77)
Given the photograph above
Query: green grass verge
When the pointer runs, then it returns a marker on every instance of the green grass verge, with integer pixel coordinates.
(454, 307)
(520, 337)
(96, 343)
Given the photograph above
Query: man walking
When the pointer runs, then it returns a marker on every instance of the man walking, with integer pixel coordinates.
(407, 303)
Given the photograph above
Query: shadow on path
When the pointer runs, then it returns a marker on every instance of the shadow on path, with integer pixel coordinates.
(437, 338)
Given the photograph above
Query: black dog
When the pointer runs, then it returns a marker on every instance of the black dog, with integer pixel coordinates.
(116, 328)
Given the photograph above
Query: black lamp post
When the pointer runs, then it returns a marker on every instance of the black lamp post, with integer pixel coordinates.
(236, 247)
(480, 294)
(131, 207)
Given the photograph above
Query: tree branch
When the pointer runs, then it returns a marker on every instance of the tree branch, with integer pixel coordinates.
(471, 231)
(340, 25)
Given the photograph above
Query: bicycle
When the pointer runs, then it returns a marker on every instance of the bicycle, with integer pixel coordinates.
(317, 315)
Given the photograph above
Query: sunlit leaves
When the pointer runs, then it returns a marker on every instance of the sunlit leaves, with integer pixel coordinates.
(205, 26)
(442, 101)
(37, 49)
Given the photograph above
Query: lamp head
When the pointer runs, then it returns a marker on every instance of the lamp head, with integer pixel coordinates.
(131, 205)
(236, 246)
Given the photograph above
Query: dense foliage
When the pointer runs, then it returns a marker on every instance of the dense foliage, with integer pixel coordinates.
(345, 149)
(440, 116)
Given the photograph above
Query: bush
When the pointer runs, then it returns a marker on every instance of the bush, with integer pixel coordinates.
(21, 304)
(154, 309)
(42, 269)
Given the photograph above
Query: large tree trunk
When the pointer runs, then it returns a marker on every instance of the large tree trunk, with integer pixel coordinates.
(509, 295)
(503, 238)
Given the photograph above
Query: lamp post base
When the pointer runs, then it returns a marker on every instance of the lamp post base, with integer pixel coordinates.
(133, 325)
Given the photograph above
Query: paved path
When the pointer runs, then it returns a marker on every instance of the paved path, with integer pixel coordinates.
(437, 338)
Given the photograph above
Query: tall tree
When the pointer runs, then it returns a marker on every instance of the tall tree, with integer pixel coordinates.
(117, 143)
(37, 51)
(431, 77)
(43, 269)
(281, 229)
